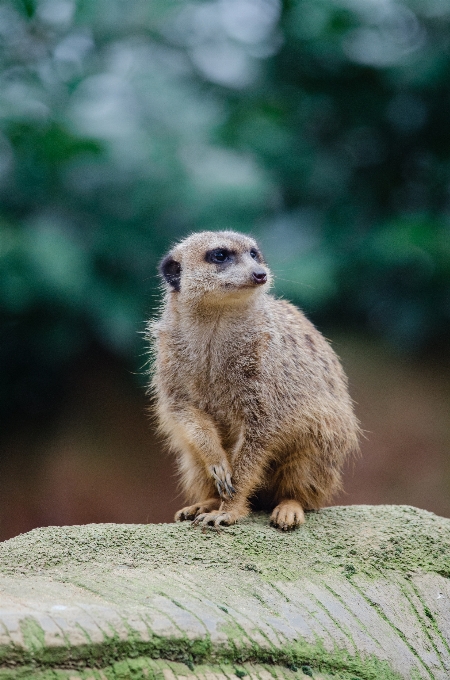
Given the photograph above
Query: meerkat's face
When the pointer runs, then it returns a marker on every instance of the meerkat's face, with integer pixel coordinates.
(216, 267)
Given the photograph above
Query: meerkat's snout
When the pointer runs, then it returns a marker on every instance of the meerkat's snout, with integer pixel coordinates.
(259, 276)
(244, 273)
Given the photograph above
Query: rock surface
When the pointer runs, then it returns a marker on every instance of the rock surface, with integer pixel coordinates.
(357, 593)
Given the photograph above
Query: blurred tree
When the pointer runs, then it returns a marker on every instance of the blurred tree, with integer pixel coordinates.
(320, 125)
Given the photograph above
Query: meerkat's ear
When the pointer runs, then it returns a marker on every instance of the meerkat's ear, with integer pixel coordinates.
(170, 269)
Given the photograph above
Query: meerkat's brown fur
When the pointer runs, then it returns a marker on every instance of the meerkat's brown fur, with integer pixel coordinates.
(250, 396)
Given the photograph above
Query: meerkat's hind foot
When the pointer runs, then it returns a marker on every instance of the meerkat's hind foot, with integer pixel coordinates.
(287, 515)
(192, 511)
(217, 518)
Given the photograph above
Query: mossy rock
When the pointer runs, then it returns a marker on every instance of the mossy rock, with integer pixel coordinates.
(357, 593)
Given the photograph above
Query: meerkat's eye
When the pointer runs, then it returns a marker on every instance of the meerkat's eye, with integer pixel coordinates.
(254, 253)
(218, 256)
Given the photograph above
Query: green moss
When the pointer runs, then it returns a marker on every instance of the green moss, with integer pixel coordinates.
(33, 634)
(190, 654)
(145, 668)
(368, 539)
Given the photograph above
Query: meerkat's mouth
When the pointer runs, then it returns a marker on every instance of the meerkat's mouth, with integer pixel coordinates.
(234, 287)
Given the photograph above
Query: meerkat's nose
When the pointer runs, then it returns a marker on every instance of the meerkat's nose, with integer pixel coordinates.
(259, 276)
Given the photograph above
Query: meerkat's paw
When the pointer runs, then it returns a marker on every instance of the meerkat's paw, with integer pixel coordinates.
(287, 515)
(222, 476)
(217, 518)
(191, 511)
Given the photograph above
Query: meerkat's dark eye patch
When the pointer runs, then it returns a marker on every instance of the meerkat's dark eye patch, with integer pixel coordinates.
(219, 256)
(170, 269)
(255, 254)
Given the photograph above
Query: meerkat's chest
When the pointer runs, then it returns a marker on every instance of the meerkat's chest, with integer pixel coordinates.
(218, 370)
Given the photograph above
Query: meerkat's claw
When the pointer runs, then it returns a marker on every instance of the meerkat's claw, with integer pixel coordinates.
(229, 491)
(223, 481)
(224, 518)
(230, 488)
(183, 515)
(191, 511)
(214, 519)
(200, 519)
(220, 488)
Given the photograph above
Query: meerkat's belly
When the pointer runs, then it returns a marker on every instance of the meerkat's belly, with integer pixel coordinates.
(221, 399)
(219, 384)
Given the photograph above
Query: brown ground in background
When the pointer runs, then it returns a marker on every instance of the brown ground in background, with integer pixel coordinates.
(404, 408)
(101, 463)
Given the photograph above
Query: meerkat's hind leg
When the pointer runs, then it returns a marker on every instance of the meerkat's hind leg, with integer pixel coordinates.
(192, 511)
(287, 515)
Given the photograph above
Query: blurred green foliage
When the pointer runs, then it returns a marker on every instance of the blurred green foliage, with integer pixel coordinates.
(318, 125)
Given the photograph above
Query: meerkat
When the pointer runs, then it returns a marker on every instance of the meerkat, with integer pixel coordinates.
(250, 396)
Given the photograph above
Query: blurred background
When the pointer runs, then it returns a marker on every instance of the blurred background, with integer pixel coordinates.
(320, 126)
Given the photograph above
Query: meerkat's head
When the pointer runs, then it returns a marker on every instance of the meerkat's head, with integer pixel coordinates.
(215, 268)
